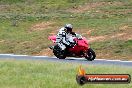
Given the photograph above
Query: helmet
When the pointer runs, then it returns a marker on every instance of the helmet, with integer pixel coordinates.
(69, 27)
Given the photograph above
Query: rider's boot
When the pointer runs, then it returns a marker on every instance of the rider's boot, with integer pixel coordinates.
(51, 47)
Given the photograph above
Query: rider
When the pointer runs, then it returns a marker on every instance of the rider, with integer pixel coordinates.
(63, 35)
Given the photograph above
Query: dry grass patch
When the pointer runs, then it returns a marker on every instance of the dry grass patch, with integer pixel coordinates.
(104, 54)
(86, 7)
(4, 7)
(42, 26)
(123, 34)
(1, 41)
(45, 52)
(94, 5)
(119, 36)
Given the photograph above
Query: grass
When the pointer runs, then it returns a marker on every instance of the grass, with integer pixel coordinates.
(113, 49)
(103, 20)
(20, 40)
(45, 74)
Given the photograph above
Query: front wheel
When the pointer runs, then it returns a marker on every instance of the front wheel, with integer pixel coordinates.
(59, 53)
(90, 55)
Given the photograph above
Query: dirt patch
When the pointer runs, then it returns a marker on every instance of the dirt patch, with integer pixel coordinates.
(127, 30)
(86, 7)
(1, 41)
(54, 31)
(42, 26)
(91, 6)
(46, 52)
(97, 38)
(110, 55)
(124, 11)
(4, 7)
(122, 36)
(115, 3)
(87, 32)
(84, 32)
(119, 36)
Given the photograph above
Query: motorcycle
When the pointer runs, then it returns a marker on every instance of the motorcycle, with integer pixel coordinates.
(80, 48)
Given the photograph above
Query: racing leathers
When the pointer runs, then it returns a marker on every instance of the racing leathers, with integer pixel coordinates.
(62, 38)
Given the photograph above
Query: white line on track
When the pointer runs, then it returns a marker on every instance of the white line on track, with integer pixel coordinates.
(112, 60)
(103, 60)
(67, 58)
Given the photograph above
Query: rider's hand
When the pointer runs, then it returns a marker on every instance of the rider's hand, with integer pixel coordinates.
(72, 44)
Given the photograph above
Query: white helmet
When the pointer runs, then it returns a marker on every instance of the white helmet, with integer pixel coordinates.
(69, 27)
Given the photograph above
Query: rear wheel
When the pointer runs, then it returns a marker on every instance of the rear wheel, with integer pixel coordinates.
(90, 55)
(59, 53)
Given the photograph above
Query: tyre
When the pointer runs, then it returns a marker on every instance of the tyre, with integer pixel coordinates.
(59, 53)
(90, 55)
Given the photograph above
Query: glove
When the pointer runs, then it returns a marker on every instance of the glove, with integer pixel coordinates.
(72, 44)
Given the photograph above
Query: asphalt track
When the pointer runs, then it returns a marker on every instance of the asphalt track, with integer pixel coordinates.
(70, 60)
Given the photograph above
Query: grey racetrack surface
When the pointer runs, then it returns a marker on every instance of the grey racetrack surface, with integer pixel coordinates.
(70, 60)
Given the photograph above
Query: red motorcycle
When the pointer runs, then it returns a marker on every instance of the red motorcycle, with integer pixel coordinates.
(80, 48)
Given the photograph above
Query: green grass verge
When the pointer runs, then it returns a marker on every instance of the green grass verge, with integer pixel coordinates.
(20, 40)
(115, 48)
(45, 74)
